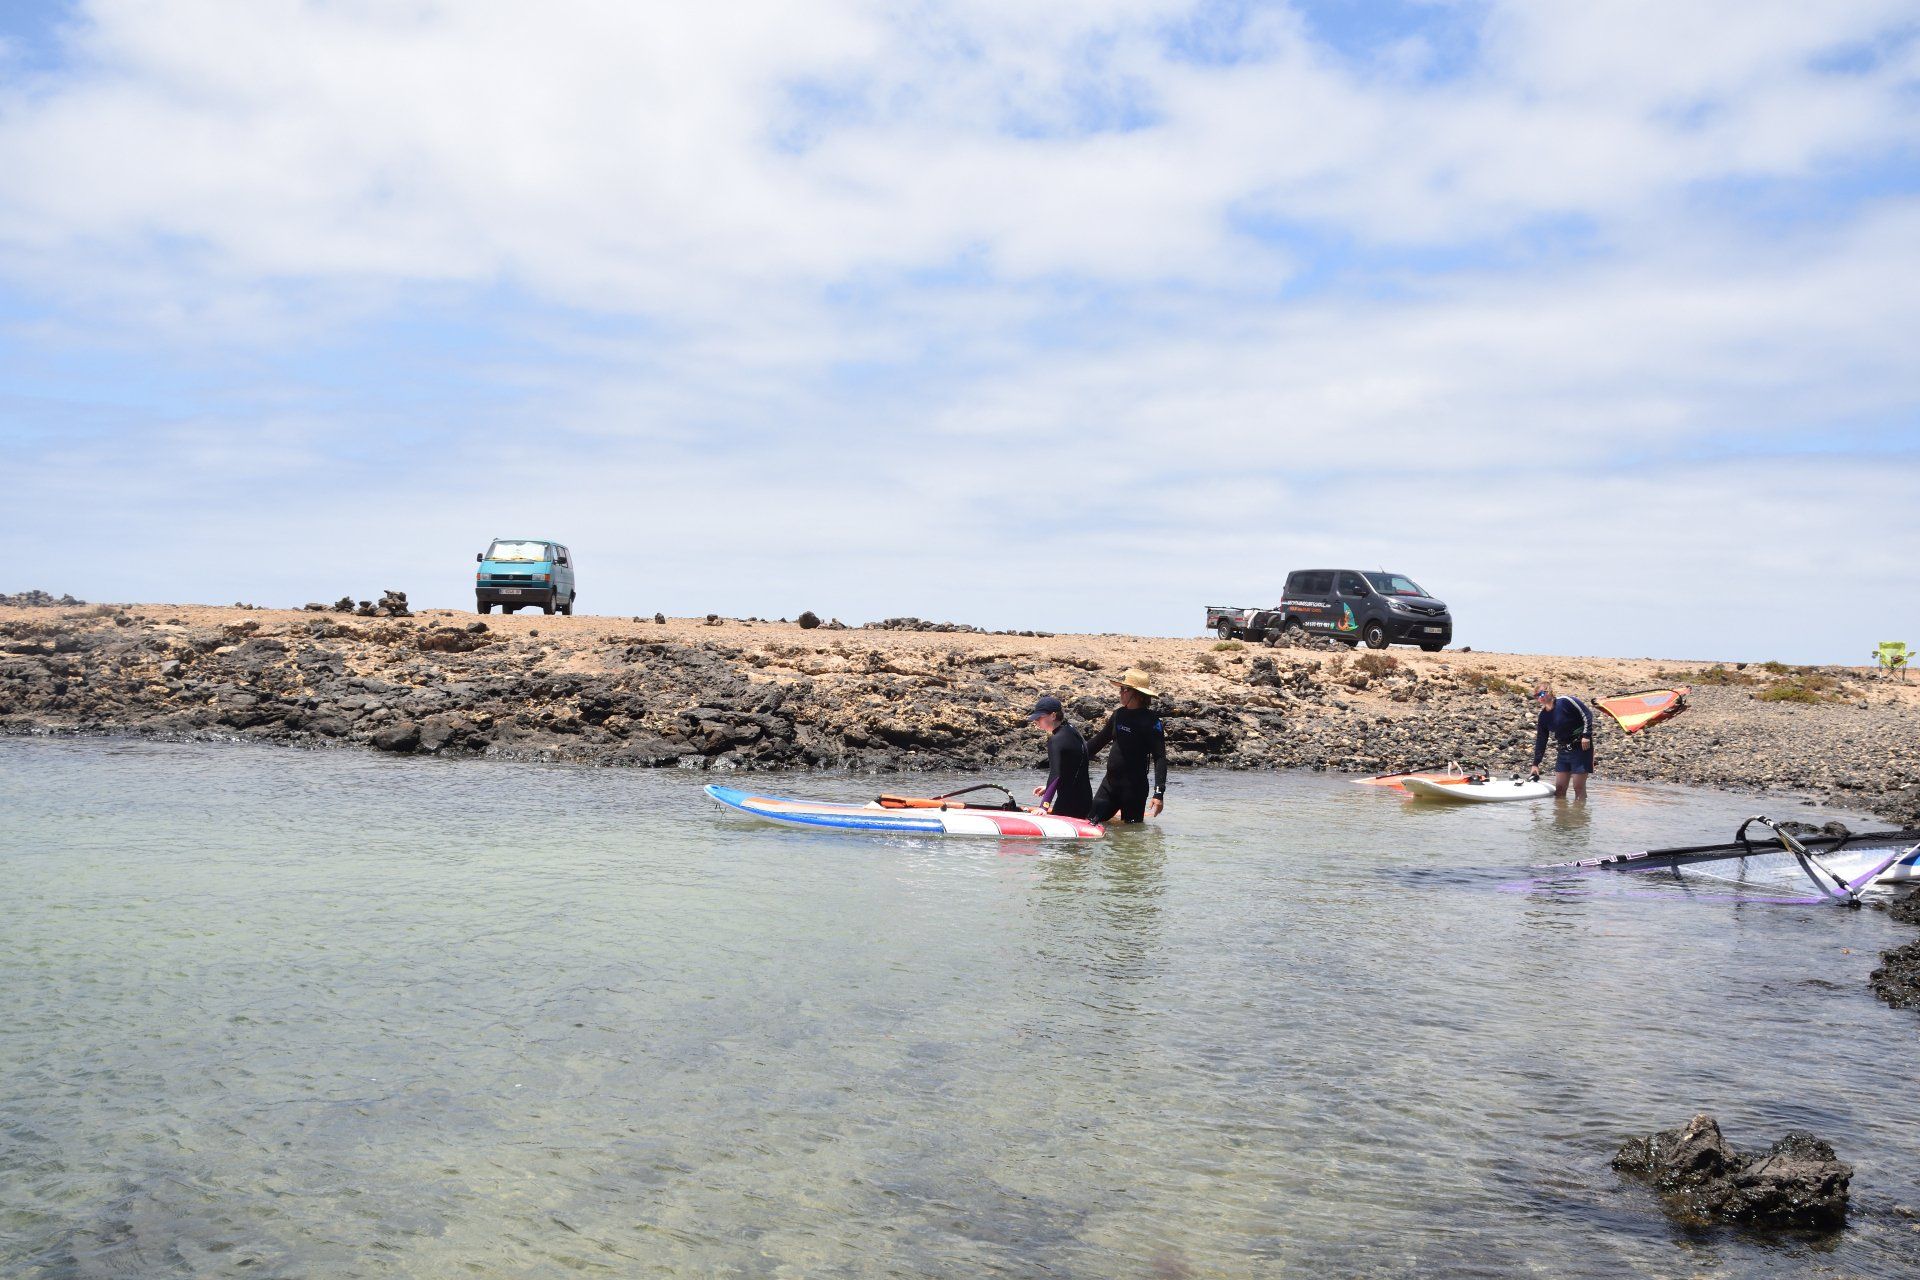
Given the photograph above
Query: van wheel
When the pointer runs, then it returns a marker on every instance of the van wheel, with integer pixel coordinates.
(567, 608)
(1431, 648)
(547, 608)
(485, 607)
(1375, 635)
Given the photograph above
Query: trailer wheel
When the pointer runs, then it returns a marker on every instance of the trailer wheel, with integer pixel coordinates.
(1224, 631)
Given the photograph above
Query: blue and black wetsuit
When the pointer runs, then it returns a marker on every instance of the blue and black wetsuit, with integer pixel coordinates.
(1567, 721)
(1139, 740)
(1068, 788)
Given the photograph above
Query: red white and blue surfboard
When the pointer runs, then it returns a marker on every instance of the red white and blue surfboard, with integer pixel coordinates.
(950, 820)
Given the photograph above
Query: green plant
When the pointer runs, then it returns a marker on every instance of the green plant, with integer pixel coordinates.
(1807, 686)
(1207, 662)
(1227, 646)
(1776, 668)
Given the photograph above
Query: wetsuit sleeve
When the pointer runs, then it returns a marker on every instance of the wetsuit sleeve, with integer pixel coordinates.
(1541, 729)
(1100, 739)
(1586, 718)
(1054, 770)
(1159, 758)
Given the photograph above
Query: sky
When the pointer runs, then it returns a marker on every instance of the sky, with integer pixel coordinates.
(1599, 317)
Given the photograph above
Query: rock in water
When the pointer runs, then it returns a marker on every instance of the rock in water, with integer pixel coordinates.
(1798, 1182)
(1897, 980)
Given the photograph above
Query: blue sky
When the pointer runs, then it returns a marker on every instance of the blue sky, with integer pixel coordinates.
(1596, 318)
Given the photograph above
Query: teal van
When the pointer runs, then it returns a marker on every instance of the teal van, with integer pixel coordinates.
(521, 571)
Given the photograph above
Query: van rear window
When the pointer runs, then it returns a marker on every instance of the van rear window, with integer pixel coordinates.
(1318, 583)
(518, 552)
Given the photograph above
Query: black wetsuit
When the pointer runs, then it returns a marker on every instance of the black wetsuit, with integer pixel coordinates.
(1138, 740)
(1067, 784)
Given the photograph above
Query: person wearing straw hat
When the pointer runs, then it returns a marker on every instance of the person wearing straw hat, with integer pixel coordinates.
(1138, 740)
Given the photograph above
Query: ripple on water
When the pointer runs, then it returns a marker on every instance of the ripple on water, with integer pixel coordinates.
(277, 1013)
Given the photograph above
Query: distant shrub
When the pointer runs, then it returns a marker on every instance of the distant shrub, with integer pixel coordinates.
(1490, 682)
(1227, 646)
(1719, 675)
(1376, 664)
(1207, 662)
(1776, 668)
(1808, 686)
(1151, 664)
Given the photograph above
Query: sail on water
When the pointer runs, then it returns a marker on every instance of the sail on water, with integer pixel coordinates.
(1841, 864)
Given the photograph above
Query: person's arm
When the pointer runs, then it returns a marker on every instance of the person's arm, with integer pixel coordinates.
(1100, 740)
(1541, 727)
(1586, 724)
(1054, 770)
(1159, 799)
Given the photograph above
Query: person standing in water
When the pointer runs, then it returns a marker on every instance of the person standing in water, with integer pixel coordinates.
(1068, 792)
(1139, 740)
(1569, 722)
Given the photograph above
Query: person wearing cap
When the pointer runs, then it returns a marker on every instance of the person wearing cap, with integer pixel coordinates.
(1569, 722)
(1068, 792)
(1139, 740)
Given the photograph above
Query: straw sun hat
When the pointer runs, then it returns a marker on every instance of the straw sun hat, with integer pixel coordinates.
(1136, 679)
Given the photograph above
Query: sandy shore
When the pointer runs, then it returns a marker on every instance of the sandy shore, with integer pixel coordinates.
(759, 695)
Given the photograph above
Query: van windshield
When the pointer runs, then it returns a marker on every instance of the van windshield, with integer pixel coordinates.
(1392, 584)
(518, 552)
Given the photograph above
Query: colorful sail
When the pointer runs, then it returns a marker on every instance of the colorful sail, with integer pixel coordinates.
(1635, 711)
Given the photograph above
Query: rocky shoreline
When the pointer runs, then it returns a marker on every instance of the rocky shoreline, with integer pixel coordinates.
(728, 694)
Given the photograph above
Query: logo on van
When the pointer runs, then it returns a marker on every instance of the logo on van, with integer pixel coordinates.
(1346, 622)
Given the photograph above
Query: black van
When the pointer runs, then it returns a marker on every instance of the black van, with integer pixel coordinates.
(1378, 609)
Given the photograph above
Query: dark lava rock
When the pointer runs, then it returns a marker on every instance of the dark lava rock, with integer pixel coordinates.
(454, 640)
(39, 600)
(809, 620)
(400, 737)
(1897, 980)
(915, 624)
(1906, 910)
(1798, 1182)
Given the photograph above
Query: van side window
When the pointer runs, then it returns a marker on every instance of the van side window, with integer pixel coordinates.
(1296, 583)
(1319, 582)
(1350, 585)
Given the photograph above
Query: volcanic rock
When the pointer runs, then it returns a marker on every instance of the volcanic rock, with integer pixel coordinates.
(1796, 1183)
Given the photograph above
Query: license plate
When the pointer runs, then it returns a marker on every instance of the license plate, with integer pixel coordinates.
(1434, 631)
(509, 591)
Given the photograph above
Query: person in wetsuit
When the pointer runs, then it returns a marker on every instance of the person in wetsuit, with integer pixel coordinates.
(1569, 722)
(1138, 740)
(1068, 792)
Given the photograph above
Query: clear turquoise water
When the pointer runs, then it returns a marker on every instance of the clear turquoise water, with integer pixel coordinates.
(271, 1013)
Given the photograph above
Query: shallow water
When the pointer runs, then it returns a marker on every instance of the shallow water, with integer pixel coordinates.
(272, 1013)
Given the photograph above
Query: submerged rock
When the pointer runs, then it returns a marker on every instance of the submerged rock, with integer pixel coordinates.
(1798, 1182)
(1897, 980)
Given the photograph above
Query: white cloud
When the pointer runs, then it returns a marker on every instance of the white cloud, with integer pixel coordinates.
(864, 299)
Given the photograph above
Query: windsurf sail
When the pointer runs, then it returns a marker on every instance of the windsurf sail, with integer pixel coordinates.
(1840, 864)
(1635, 711)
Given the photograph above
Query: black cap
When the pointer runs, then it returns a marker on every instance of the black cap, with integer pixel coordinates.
(1049, 703)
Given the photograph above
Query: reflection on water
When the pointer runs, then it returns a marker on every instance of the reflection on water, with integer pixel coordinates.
(278, 1014)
